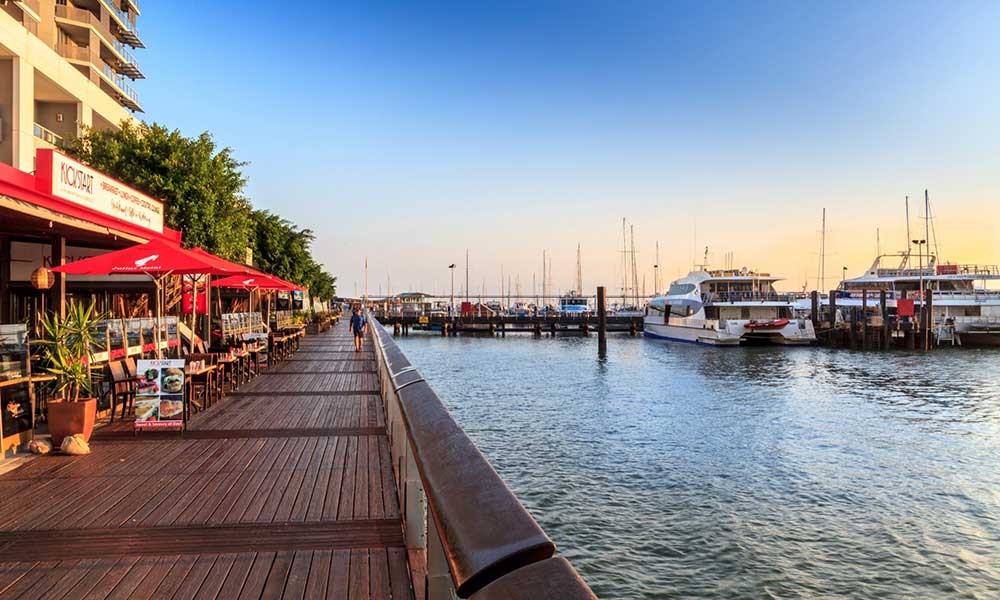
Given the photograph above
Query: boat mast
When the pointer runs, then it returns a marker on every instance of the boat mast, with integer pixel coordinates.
(579, 272)
(822, 253)
(656, 271)
(466, 275)
(635, 274)
(927, 225)
(937, 251)
(624, 264)
(909, 246)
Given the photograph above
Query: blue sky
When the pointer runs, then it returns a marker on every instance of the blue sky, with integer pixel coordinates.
(406, 131)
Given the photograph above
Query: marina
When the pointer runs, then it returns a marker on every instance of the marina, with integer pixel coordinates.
(684, 471)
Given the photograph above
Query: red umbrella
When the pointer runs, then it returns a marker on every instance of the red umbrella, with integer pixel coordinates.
(153, 258)
(254, 282)
(156, 259)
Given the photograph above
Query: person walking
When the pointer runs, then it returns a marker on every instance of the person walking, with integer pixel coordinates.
(359, 325)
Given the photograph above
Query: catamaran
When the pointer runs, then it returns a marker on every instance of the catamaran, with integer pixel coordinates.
(726, 307)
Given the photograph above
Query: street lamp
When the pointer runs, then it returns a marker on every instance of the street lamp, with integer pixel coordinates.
(451, 306)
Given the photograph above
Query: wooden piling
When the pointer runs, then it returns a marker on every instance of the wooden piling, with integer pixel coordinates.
(929, 318)
(884, 305)
(814, 297)
(833, 309)
(602, 321)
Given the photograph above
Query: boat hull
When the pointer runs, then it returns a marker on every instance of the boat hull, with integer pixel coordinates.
(690, 335)
(732, 333)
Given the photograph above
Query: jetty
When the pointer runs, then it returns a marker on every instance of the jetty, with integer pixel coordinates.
(332, 475)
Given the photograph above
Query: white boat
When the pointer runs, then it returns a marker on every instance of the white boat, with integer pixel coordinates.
(963, 312)
(726, 308)
(573, 304)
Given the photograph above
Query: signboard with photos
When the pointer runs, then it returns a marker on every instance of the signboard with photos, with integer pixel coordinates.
(159, 395)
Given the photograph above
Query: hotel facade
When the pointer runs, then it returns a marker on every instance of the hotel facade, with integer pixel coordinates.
(64, 65)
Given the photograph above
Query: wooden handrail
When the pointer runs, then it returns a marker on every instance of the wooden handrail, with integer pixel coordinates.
(485, 532)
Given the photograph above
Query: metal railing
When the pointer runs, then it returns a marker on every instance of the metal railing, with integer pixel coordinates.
(747, 297)
(123, 50)
(47, 135)
(121, 16)
(479, 540)
(120, 81)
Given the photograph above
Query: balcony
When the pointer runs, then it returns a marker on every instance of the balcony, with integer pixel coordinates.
(73, 52)
(30, 5)
(126, 31)
(47, 136)
(77, 17)
(127, 65)
(123, 92)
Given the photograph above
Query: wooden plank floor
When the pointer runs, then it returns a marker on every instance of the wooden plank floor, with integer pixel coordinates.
(283, 490)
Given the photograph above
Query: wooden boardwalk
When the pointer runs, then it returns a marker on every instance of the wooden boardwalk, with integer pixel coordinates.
(283, 490)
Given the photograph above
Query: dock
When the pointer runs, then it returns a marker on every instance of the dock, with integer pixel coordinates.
(333, 475)
(551, 325)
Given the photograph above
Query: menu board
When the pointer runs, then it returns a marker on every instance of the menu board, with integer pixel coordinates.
(159, 394)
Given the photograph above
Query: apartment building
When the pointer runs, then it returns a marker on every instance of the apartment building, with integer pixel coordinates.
(64, 65)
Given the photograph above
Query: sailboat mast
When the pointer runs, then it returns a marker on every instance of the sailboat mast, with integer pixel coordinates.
(579, 272)
(624, 264)
(822, 253)
(635, 274)
(909, 247)
(927, 224)
(656, 271)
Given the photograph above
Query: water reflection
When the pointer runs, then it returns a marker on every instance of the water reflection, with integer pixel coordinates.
(677, 471)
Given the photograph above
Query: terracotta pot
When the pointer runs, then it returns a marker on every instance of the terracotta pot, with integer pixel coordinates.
(71, 418)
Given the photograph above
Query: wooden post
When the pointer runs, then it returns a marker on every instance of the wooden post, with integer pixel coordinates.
(929, 318)
(57, 294)
(833, 309)
(884, 304)
(5, 300)
(851, 333)
(602, 321)
(865, 340)
(814, 297)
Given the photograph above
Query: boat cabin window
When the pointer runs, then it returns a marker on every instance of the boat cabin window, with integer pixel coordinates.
(711, 312)
(680, 289)
(681, 311)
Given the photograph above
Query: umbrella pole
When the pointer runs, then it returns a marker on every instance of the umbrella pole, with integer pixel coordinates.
(194, 310)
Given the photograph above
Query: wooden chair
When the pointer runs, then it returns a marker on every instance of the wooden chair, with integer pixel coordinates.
(122, 387)
(211, 387)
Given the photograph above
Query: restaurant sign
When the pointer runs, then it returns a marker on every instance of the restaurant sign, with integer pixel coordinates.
(159, 394)
(69, 180)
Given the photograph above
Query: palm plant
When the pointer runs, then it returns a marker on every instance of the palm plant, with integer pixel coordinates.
(67, 344)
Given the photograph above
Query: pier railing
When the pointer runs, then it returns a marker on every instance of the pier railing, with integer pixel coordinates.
(478, 539)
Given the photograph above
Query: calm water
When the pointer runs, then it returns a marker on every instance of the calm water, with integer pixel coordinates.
(675, 471)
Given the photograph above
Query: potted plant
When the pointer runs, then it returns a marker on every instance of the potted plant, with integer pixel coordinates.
(66, 343)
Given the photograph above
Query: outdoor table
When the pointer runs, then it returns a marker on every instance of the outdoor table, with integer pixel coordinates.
(189, 380)
(227, 365)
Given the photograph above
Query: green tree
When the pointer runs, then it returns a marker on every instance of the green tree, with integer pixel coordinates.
(284, 250)
(202, 188)
(200, 184)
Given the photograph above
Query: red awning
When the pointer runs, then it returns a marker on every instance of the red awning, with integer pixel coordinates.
(255, 282)
(153, 258)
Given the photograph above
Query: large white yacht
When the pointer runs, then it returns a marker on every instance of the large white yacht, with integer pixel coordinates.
(964, 313)
(726, 308)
